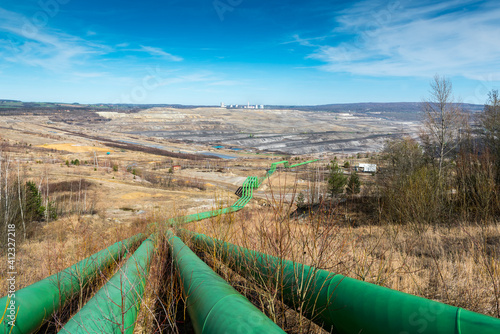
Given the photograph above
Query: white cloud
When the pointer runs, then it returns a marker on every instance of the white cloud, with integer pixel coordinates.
(39, 46)
(304, 41)
(159, 52)
(405, 39)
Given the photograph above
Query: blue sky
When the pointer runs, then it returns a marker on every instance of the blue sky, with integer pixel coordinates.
(265, 52)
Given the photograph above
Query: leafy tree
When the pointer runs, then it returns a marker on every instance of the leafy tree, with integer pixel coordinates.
(336, 180)
(405, 156)
(347, 164)
(354, 184)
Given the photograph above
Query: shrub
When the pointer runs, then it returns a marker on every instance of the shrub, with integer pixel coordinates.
(300, 201)
(353, 185)
(417, 199)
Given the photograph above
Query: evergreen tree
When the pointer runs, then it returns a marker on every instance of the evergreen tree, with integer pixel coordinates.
(301, 201)
(353, 185)
(336, 180)
(34, 208)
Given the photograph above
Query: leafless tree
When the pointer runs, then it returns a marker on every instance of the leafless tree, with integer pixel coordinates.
(490, 123)
(443, 121)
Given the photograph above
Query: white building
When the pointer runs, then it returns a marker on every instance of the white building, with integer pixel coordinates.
(367, 168)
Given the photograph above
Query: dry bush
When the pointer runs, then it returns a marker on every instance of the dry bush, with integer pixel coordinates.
(477, 192)
(169, 181)
(418, 199)
(457, 265)
(66, 186)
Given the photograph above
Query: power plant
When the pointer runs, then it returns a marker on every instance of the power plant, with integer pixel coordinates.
(239, 106)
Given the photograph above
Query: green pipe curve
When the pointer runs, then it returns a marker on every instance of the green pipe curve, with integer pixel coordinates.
(345, 305)
(213, 305)
(250, 183)
(35, 304)
(114, 308)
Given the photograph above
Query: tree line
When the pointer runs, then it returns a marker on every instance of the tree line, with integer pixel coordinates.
(451, 172)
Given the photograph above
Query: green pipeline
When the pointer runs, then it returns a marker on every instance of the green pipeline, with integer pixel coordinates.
(248, 186)
(344, 305)
(250, 183)
(300, 164)
(35, 304)
(213, 305)
(114, 308)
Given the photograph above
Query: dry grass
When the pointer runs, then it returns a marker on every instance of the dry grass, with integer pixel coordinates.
(60, 244)
(457, 265)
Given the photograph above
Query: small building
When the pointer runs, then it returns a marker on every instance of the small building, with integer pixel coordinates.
(176, 167)
(366, 168)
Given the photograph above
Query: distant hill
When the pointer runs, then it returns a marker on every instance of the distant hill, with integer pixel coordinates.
(47, 106)
(402, 111)
(406, 111)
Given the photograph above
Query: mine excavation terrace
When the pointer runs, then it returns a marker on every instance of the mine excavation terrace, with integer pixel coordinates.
(349, 128)
(287, 131)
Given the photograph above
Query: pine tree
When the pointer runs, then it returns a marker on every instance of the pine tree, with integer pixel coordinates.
(34, 208)
(336, 180)
(301, 201)
(353, 185)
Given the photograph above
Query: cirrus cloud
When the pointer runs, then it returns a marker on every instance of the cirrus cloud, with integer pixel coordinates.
(415, 39)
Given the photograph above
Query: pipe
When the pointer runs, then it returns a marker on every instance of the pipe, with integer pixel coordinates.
(247, 193)
(114, 308)
(213, 305)
(345, 305)
(200, 216)
(250, 183)
(271, 170)
(35, 304)
(300, 164)
(248, 186)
